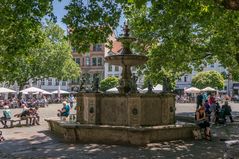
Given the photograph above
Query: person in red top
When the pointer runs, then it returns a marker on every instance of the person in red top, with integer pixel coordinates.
(211, 99)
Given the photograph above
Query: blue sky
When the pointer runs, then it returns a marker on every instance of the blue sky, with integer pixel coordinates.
(59, 11)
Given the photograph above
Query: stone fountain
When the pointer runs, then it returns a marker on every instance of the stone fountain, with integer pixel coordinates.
(128, 117)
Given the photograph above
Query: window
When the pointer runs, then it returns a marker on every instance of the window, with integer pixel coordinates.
(99, 61)
(185, 78)
(109, 67)
(42, 81)
(34, 82)
(116, 68)
(77, 60)
(56, 82)
(87, 61)
(49, 82)
(94, 61)
(83, 61)
(97, 47)
(212, 65)
(179, 79)
(73, 49)
(63, 83)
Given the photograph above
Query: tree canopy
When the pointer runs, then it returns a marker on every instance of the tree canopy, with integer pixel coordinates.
(208, 79)
(20, 27)
(108, 83)
(52, 59)
(177, 36)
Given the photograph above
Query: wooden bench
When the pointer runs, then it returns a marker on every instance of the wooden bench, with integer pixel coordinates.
(19, 121)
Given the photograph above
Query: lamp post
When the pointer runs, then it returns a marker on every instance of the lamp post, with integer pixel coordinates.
(229, 77)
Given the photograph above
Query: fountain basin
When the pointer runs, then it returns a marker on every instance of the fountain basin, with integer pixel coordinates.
(126, 135)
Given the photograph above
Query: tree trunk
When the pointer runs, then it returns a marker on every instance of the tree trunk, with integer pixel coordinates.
(21, 86)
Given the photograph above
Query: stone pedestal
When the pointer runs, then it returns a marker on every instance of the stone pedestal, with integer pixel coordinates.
(126, 110)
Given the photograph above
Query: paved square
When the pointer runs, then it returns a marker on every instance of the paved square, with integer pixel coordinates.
(38, 142)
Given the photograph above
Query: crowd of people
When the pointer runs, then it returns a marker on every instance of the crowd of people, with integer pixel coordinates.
(30, 109)
(191, 98)
(209, 111)
(33, 101)
(14, 102)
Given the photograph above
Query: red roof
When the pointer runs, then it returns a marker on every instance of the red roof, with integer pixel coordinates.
(117, 46)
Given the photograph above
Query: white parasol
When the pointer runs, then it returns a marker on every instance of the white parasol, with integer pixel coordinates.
(115, 90)
(192, 90)
(208, 89)
(60, 91)
(158, 88)
(6, 90)
(32, 90)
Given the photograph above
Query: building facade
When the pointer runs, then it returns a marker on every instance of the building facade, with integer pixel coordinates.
(186, 80)
(91, 64)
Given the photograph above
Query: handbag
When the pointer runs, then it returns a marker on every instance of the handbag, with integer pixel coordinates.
(197, 134)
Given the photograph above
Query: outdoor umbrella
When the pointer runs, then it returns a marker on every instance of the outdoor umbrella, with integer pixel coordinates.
(44, 92)
(115, 90)
(112, 90)
(6, 90)
(192, 90)
(60, 91)
(158, 88)
(32, 90)
(208, 89)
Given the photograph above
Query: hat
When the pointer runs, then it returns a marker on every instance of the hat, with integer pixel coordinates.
(64, 102)
(6, 107)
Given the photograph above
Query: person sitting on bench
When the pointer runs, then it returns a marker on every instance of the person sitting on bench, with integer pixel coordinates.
(35, 116)
(6, 116)
(25, 112)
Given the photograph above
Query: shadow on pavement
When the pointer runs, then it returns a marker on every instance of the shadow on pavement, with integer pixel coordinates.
(49, 146)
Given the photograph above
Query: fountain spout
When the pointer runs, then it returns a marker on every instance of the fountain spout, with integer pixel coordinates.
(126, 59)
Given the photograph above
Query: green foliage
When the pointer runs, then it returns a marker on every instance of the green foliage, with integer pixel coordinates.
(20, 27)
(108, 83)
(52, 59)
(177, 36)
(208, 79)
(91, 22)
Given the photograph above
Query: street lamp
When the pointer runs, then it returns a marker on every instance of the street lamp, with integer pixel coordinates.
(229, 77)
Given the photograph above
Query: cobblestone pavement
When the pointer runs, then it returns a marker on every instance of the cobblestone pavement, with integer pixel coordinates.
(37, 142)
